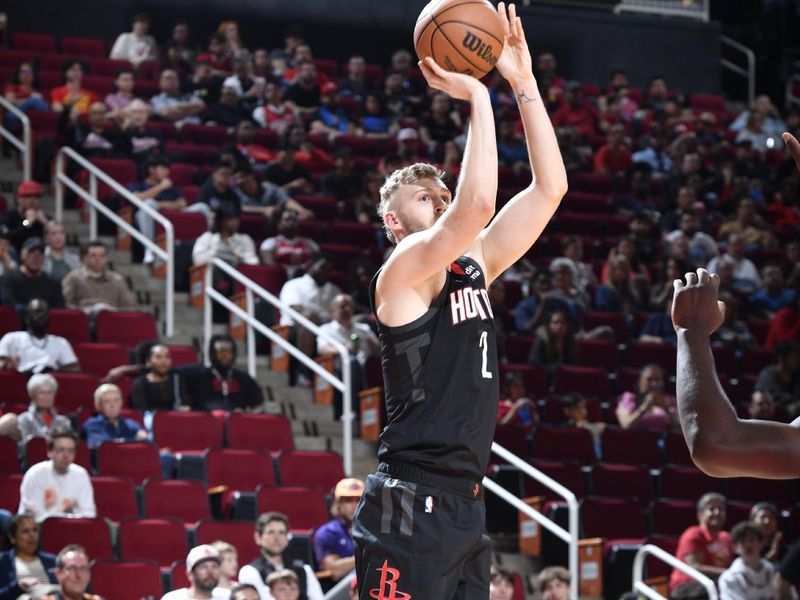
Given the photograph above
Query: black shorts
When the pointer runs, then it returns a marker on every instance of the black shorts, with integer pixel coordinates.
(420, 536)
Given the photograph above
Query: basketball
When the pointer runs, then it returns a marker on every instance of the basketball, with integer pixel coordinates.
(464, 36)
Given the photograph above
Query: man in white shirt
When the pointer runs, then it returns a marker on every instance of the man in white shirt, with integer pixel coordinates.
(136, 46)
(58, 487)
(34, 350)
(702, 246)
(202, 569)
(746, 278)
(750, 576)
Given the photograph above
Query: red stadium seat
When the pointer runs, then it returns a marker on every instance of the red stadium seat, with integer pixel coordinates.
(161, 540)
(44, 123)
(588, 381)
(626, 481)
(9, 320)
(206, 134)
(612, 518)
(187, 431)
(577, 223)
(177, 575)
(779, 492)
(596, 318)
(237, 533)
(269, 277)
(534, 376)
(359, 234)
(185, 225)
(259, 432)
(115, 498)
(98, 359)
(70, 324)
(564, 443)
(237, 470)
(592, 182)
(123, 171)
(106, 67)
(343, 255)
(14, 387)
(757, 358)
(323, 207)
(598, 353)
(512, 438)
(92, 534)
(704, 102)
(759, 328)
(126, 579)
(135, 460)
(672, 517)
(631, 446)
(658, 568)
(329, 67)
(640, 354)
(41, 43)
(567, 474)
(165, 128)
(676, 451)
(310, 468)
(305, 507)
(553, 410)
(78, 46)
(36, 452)
(75, 392)
(9, 491)
(518, 348)
(9, 462)
(725, 360)
(183, 355)
(182, 174)
(160, 499)
(126, 328)
(12, 58)
(683, 482)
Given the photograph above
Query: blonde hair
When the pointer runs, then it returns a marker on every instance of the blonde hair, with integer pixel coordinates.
(224, 547)
(282, 576)
(404, 176)
(102, 390)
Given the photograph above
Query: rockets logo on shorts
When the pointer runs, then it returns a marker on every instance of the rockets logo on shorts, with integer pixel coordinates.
(470, 303)
(388, 585)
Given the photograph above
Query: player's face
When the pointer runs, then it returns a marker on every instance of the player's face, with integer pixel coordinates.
(555, 590)
(420, 204)
(274, 539)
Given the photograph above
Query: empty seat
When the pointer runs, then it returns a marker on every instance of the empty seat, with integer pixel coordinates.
(177, 575)
(14, 387)
(534, 376)
(360, 234)
(92, 534)
(99, 359)
(183, 355)
(686, 482)
(675, 448)
(631, 446)
(42, 43)
(627, 481)
(115, 498)
(567, 474)
(9, 320)
(185, 225)
(206, 134)
(598, 353)
(135, 460)
(269, 277)
(518, 348)
(757, 358)
(9, 491)
(80, 46)
(237, 533)
(161, 540)
(160, 499)
(640, 354)
(126, 579)
(305, 507)
(186, 431)
(588, 381)
(746, 489)
(672, 517)
(121, 170)
(564, 443)
(259, 432)
(310, 468)
(70, 324)
(75, 392)
(242, 470)
(617, 322)
(323, 207)
(612, 519)
(725, 360)
(126, 328)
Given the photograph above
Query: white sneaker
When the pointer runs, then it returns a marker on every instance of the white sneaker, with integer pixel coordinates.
(149, 257)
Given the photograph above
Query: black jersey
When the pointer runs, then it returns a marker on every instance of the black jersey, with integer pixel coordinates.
(441, 378)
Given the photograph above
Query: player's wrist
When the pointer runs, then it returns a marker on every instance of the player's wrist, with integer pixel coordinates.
(525, 83)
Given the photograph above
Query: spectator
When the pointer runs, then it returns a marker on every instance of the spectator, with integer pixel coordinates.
(618, 294)
(785, 326)
(203, 571)
(375, 120)
(302, 54)
(34, 350)
(57, 487)
(181, 43)
(161, 387)
(503, 318)
(745, 275)
(142, 141)
(704, 546)
(9, 428)
(217, 55)
(248, 87)
(245, 150)
(58, 261)
(287, 173)
(515, 407)
(583, 273)
(654, 155)
(782, 380)
(733, 332)
(284, 585)
(662, 289)
(408, 146)
(658, 329)
(773, 295)
(218, 188)
(276, 114)
(614, 158)
(107, 425)
(554, 344)
(228, 111)
(761, 406)
(576, 414)
(229, 565)
(41, 418)
(773, 124)
(749, 576)
(788, 575)
(345, 182)
(24, 569)
(244, 591)
(23, 92)
(639, 273)
(501, 584)
(73, 574)
(119, 101)
(565, 292)
(27, 220)
(205, 83)
(640, 199)
(221, 386)
(755, 132)
(94, 287)
(272, 537)
(553, 583)
(702, 247)
(355, 83)
(7, 261)
(171, 105)
(766, 517)
(648, 408)
(29, 282)
(230, 32)
(136, 46)
(330, 118)
(441, 125)
(685, 199)
(158, 192)
(95, 139)
(511, 150)
(528, 313)
(403, 65)
(753, 229)
(576, 111)
(308, 156)
(304, 92)
(72, 93)
(225, 241)
(265, 198)
(333, 542)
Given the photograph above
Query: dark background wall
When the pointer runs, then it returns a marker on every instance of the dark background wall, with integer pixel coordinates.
(588, 44)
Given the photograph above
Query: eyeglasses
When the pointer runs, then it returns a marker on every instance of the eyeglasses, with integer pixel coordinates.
(72, 569)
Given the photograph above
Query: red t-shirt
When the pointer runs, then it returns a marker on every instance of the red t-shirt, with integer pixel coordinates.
(582, 118)
(716, 551)
(612, 160)
(85, 100)
(784, 326)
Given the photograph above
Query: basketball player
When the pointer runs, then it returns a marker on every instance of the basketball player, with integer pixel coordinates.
(419, 528)
(721, 444)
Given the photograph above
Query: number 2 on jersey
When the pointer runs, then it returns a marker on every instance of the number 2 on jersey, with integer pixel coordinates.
(483, 344)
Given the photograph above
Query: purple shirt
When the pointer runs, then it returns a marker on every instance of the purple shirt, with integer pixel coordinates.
(332, 538)
(656, 419)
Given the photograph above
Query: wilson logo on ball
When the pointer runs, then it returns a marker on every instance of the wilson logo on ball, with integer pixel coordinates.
(483, 50)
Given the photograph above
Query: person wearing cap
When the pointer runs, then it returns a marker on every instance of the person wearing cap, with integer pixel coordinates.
(19, 287)
(345, 182)
(329, 118)
(333, 542)
(202, 570)
(272, 537)
(408, 146)
(284, 585)
(27, 219)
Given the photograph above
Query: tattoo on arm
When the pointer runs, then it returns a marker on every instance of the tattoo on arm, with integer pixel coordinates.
(523, 98)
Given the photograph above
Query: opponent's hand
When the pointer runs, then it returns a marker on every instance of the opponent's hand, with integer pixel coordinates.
(515, 62)
(794, 147)
(695, 306)
(455, 85)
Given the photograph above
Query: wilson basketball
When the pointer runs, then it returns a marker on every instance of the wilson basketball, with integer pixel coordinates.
(465, 36)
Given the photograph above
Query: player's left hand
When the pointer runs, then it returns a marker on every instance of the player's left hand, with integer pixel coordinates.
(695, 306)
(515, 62)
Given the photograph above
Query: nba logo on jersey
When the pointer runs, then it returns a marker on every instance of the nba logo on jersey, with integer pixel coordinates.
(429, 504)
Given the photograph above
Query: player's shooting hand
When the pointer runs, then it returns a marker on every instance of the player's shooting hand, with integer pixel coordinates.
(695, 306)
(455, 85)
(515, 62)
(794, 147)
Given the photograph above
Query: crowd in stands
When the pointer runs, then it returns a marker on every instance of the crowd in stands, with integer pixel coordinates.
(281, 154)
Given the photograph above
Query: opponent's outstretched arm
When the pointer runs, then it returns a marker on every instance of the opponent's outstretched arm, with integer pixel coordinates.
(721, 444)
(518, 225)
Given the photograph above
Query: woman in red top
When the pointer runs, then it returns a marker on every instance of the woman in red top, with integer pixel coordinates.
(22, 92)
(72, 93)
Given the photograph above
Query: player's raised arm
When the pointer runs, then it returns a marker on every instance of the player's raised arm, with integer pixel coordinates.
(426, 248)
(522, 220)
(721, 444)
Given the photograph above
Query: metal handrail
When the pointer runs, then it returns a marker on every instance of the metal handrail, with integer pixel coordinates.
(570, 536)
(660, 7)
(638, 571)
(24, 144)
(344, 385)
(95, 205)
(749, 73)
